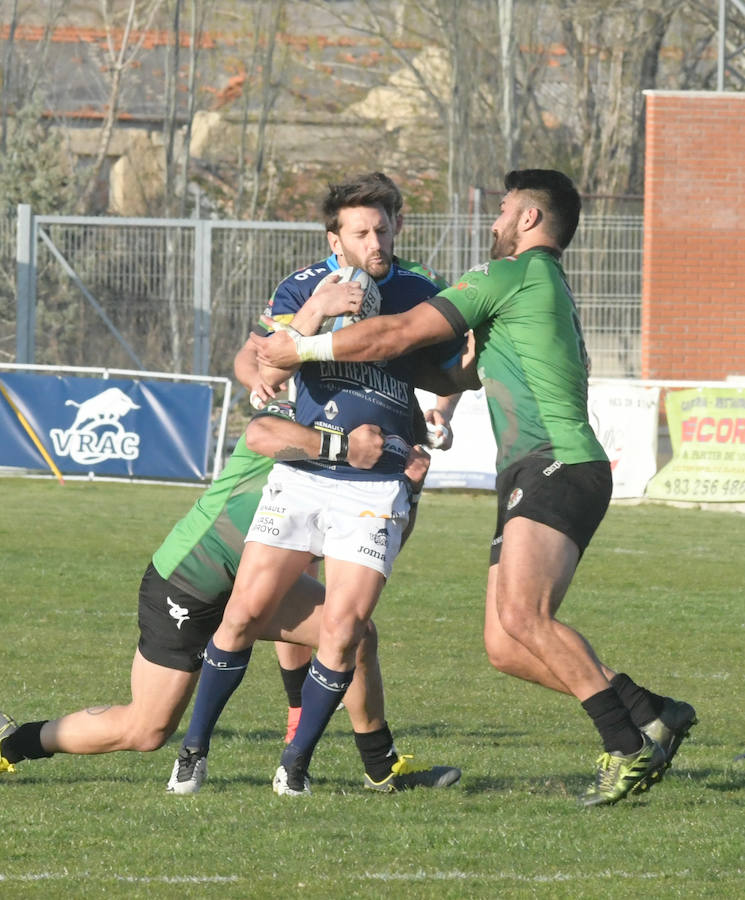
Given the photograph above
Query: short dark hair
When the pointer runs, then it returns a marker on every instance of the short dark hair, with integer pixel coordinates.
(556, 196)
(370, 189)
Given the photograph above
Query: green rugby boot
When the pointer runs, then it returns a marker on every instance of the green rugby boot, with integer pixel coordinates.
(672, 726)
(8, 725)
(619, 775)
(406, 775)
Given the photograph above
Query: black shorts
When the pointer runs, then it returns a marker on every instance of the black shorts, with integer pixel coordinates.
(570, 498)
(174, 626)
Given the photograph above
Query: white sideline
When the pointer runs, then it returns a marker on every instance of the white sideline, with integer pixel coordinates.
(420, 875)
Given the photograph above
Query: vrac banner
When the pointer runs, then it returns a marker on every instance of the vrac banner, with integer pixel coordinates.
(124, 428)
(707, 433)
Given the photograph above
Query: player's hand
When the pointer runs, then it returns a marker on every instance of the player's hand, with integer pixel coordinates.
(262, 393)
(337, 299)
(279, 349)
(365, 446)
(439, 432)
(468, 376)
(417, 466)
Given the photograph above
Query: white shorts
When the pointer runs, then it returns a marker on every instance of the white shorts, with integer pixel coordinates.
(355, 521)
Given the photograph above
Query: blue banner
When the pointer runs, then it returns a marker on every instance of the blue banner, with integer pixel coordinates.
(125, 428)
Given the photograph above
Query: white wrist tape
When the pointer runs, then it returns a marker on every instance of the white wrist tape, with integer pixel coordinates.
(315, 348)
(334, 447)
(436, 435)
(256, 400)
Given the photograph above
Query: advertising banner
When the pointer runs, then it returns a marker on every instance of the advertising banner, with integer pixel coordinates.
(625, 418)
(707, 433)
(471, 461)
(116, 427)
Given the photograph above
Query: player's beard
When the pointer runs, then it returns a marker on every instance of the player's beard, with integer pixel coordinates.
(378, 267)
(505, 242)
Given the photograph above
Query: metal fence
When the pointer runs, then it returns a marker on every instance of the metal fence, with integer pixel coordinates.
(182, 295)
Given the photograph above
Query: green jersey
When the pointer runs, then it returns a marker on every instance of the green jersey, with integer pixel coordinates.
(202, 551)
(531, 356)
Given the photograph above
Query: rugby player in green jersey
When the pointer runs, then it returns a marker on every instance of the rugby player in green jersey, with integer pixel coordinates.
(554, 482)
(182, 597)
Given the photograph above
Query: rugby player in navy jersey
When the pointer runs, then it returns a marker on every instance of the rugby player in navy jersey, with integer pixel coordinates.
(324, 507)
(294, 659)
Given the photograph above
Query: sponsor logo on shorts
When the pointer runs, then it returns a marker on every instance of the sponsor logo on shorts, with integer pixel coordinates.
(179, 613)
(515, 497)
(368, 551)
(264, 525)
(373, 515)
(331, 410)
(554, 467)
(497, 541)
(380, 539)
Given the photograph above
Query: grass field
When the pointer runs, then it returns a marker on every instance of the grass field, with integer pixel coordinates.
(660, 594)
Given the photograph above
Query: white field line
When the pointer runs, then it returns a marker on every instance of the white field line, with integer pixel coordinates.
(135, 879)
(419, 876)
(511, 876)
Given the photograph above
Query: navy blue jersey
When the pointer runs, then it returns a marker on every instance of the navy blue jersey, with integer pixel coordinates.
(338, 396)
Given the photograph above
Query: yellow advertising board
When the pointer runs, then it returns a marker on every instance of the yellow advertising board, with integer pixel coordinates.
(707, 433)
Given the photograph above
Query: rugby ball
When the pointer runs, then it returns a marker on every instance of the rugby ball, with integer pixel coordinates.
(370, 298)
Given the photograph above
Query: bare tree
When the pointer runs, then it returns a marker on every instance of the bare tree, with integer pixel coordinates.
(613, 63)
(122, 50)
(7, 68)
(261, 79)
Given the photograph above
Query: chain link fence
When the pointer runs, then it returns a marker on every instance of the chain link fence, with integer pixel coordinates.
(180, 290)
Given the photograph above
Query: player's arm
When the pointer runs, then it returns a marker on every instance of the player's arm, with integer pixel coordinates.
(332, 299)
(417, 466)
(283, 439)
(380, 337)
(246, 370)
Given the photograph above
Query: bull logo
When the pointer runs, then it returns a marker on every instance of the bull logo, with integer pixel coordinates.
(96, 433)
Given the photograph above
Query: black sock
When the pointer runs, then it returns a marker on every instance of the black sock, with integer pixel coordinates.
(25, 743)
(643, 705)
(378, 752)
(293, 680)
(612, 720)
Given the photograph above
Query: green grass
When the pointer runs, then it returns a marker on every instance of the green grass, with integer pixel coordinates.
(659, 594)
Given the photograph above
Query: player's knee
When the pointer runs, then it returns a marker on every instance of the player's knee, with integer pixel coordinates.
(142, 731)
(241, 624)
(150, 736)
(346, 634)
(496, 651)
(514, 621)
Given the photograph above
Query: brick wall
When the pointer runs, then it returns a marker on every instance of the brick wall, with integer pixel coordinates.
(693, 284)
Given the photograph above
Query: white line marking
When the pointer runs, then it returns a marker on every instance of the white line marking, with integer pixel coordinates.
(508, 876)
(138, 879)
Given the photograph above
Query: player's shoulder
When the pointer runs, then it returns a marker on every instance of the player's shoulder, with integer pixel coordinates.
(506, 269)
(307, 275)
(295, 288)
(402, 286)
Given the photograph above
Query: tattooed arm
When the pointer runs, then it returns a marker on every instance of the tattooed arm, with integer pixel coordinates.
(283, 439)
